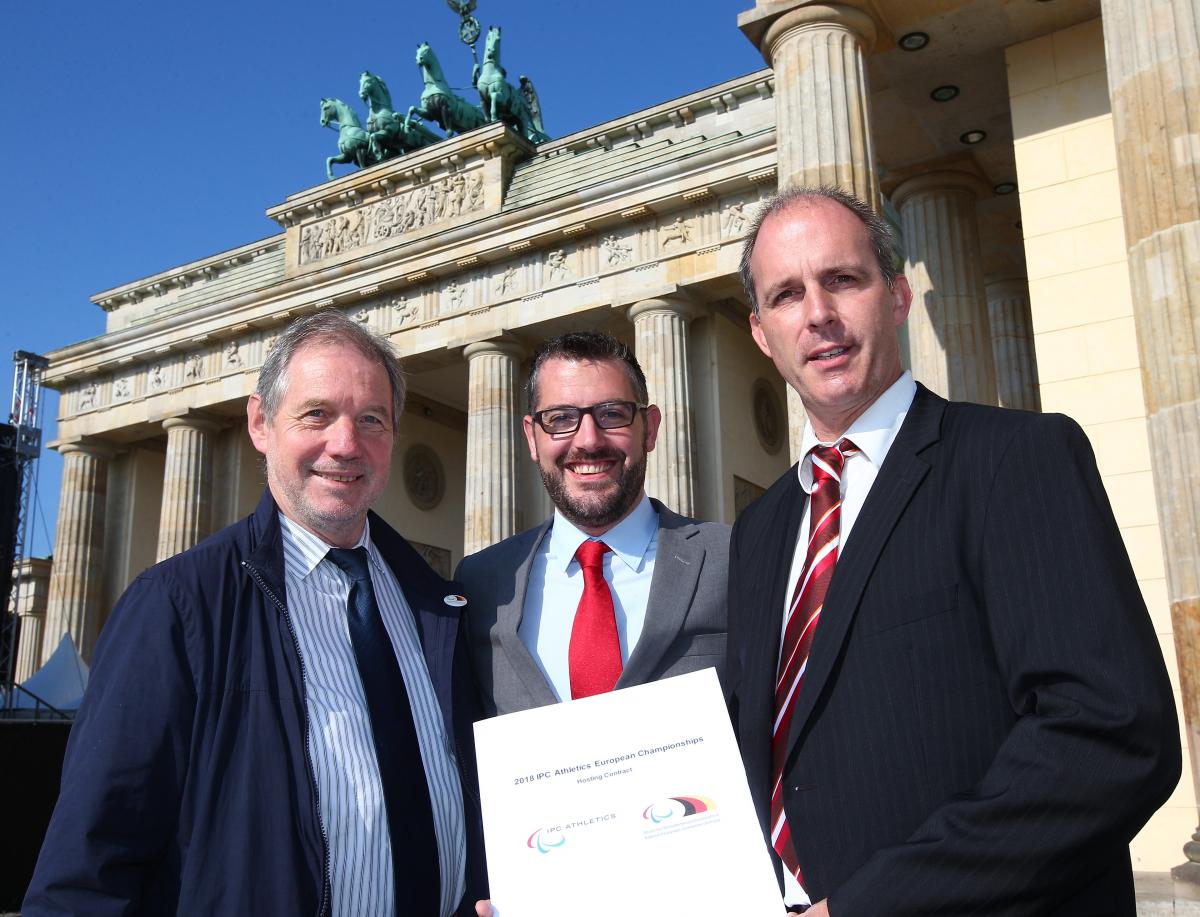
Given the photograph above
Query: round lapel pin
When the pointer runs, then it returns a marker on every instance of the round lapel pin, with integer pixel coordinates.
(455, 601)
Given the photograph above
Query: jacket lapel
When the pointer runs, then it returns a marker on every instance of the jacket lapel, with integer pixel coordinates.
(901, 474)
(678, 559)
(425, 592)
(508, 619)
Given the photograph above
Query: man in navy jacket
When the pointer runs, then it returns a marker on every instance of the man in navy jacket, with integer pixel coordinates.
(220, 763)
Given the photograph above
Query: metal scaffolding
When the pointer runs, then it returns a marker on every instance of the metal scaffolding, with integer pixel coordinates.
(21, 445)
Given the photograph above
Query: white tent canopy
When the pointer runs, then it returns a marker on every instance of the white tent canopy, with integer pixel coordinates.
(59, 683)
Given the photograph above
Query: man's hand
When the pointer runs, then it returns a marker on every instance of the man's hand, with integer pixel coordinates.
(483, 908)
(820, 909)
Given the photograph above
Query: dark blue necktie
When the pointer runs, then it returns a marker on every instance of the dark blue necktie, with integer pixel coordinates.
(401, 771)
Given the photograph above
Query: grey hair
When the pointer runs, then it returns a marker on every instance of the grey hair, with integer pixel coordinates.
(878, 232)
(328, 327)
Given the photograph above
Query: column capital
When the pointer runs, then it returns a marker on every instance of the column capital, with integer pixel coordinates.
(97, 448)
(506, 344)
(674, 304)
(769, 22)
(194, 421)
(937, 180)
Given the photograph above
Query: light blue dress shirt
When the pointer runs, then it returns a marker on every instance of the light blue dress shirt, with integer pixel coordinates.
(340, 739)
(556, 585)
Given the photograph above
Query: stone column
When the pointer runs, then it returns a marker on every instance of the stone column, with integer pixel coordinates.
(822, 111)
(822, 114)
(948, 337)
(1012, 344)
(73, 605)
(661, 343)
(492, 412)
(186, 515)
(30, 610)
(1153, 56)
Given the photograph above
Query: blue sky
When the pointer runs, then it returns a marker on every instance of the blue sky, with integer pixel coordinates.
(142, 135)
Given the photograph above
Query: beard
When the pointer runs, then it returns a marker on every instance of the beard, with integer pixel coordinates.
(602, 506)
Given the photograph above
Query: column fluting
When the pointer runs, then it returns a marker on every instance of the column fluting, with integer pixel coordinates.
(661, 343)
(186, 515)
(76, 579)
(492, 412)
(949, 341)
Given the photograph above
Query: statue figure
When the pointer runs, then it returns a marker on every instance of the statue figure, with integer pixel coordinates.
(501, 102)
(529, 94)
(438, 102)
(390, 135)
(353, 142)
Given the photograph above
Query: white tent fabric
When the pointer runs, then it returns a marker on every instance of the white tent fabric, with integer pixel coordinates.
(59, 683)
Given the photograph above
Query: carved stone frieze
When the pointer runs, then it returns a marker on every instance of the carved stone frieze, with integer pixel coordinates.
(392, 216)
(87, 397)
(557, 268)
(616, 251)
(506, 282)
(405, 311)
(676, 234)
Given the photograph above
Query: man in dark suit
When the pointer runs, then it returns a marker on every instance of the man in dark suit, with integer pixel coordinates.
(540, 629)
(946, 688)
(279, 719)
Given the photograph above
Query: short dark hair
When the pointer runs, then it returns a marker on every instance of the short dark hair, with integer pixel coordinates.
(878, 231)
(585, 347)
(328, 327)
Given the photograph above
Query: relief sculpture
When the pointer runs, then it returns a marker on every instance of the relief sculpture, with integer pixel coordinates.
(615, 251)
(417, 208)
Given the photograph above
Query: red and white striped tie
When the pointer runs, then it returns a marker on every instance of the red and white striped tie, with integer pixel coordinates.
(803, 612)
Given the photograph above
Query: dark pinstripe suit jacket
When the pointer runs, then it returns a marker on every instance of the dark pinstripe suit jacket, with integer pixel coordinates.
(986, 719)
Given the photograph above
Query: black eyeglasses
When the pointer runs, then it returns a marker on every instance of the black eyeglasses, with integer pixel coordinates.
(608, 415)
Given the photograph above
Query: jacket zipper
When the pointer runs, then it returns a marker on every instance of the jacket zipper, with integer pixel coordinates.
(323, 909)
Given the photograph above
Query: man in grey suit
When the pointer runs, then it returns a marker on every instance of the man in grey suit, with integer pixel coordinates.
(614, 589)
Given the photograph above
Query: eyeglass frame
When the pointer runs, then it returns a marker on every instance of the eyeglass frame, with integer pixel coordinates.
(589, 411)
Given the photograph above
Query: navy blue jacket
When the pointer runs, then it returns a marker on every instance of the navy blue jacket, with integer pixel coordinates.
(187, 787)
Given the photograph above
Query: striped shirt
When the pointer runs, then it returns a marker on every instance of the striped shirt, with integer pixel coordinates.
(340, 741)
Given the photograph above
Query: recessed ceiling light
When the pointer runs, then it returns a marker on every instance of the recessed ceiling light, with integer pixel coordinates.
(1005, 187)
(944, 93)
(970, 138)
(913, 41)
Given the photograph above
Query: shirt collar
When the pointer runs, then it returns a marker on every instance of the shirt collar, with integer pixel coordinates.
(303, 551)
(873, 432)
(628, 539)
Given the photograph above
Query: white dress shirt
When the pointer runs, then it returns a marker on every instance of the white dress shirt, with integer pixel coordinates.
(873, 433)
(342, 746)
(556, 585)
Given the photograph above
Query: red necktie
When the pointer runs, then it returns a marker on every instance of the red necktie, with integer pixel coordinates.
(825, 509)
(595, 654)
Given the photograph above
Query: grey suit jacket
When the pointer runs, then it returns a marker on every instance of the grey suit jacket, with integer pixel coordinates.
(685, 618)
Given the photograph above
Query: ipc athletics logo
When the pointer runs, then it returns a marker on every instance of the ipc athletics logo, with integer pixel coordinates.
(677, 807)
(543, 843)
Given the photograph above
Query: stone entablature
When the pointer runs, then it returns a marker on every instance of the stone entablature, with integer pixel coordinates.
(648, 255)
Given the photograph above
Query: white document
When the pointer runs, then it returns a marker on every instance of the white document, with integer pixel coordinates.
(623, 804)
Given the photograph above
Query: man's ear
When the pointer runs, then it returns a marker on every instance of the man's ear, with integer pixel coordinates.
(901, 299)
(760, 339)
(530, 439)
(256, 422)
(653, 422)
